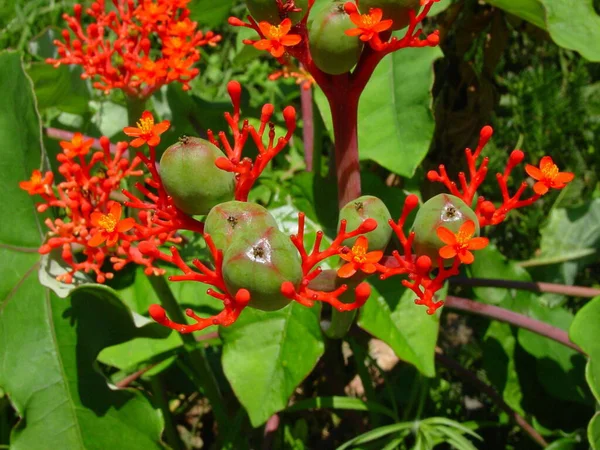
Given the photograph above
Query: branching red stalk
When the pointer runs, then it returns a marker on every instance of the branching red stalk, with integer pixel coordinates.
(512, 318)
(308, 127)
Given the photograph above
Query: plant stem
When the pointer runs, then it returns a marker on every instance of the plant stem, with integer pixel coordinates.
(535, 286)
(472, 378)
(512, 318)
(162, 401)
(308, 126)
(344, 113)
(196, 355)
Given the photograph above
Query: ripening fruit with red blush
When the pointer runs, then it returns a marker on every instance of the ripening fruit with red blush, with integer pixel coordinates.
(227, 219)
(190, 176)
(268, 11)
(331, 49)
(260, 261)
(443, 210)
(397, 10)
(368, 207)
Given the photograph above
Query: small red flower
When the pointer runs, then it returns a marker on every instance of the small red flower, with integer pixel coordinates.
(110, 226)
(548, 176)
(359, 259)
(461, 242)
(37, 184)
(77, 147)
(147, 132)
(277, 37)
(368, 25)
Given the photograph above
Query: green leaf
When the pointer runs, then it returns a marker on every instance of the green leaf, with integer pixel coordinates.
(391, 315)
(267, 354)
(347, 403)
(394, 115)
(593, 432)
(585, 333)
(60, 88)
(572, 24)
(49, 345)
(51, 266)
(209, 13)
(568, 230)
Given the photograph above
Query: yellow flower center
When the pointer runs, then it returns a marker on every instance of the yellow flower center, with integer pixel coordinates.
(463, 238)
(275, 32)
(358, 254)
(108, 222)
(36, 179)
(550, 171)
(367, 20)
(146, 124)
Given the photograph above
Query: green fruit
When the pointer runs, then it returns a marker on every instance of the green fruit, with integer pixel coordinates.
(333, 51)
(260, 262)
(189, 175)
(444, 210)
(397, 10)
(268, 11)
(224, 221)
(368, 207)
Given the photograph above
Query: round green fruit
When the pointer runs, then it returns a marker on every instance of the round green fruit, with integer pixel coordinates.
(397, 10)
(260, 262)
(268, 11)
(331, 49)
(226, 220)
(443, 210)
(189, 175)
(368, 207)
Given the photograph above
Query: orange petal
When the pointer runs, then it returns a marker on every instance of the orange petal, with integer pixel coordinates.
(161, 127)
(97, 239)
(290, 40)
(468, 228)
(361, 243)
(95, 218)
(346, 271)
(125, 225)
(356, 19)
(116, 211)
(564, 177)
(374, 257)
(147, 115)
(66, 145)
(353, 32)
(263, 44)
(466, 257)
(376, 14)
(446, 236)
(540, 188)
(534, 172)
(154, 140)
(265, 27)
(138, 142)
(368, 267)
(383, 25)
(112, 239)
(277, 50)
(132, 131)
(447, 252)
(347, 256)
(545, 162)
(285, 26)
(478, 243)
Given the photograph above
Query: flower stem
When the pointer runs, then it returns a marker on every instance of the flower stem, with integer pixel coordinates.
(512, 318)
(308, 126)
(162, 401)
(535, 286)
(196, 355)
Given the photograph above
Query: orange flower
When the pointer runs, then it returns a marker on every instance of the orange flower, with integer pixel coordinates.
(359, 259)
(368, 25)
(37, 184)
(277, 37)
(147, 132)
(77, 147)
(461, 242)
(110, 226)
(548, 176)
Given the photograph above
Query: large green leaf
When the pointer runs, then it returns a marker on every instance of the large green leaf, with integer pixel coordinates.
(572, 24)
(49, 345)
(210, 13)
(593, 432)
(60, 88)
(584, 332)
(267, 354)
(567, 230)
(391, 315)
(394, 115)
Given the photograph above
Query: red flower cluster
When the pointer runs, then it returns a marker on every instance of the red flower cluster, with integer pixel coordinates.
(89, 229)
(547, 177)
(119, 50)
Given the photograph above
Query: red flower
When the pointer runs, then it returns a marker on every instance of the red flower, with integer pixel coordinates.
(77, 147)
(110, 226)
(359, 259)
(277, 37)
(461, 242)
(548, 176)
(147, 132)
(368, 25)
(37, 184)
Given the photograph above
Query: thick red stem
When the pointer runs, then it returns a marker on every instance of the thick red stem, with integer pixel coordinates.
(344, 111)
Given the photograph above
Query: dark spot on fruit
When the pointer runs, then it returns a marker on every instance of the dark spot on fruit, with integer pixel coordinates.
(232, 221)
(358, 206)
(258, 252)
(450, 212)
(184, 139)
